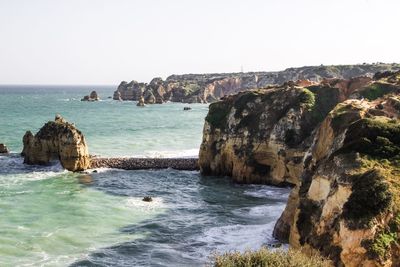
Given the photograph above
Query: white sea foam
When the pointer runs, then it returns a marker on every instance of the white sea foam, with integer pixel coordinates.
(155, 204)
(268, 192)
(237, 237)
(272, 211)
(187, 153)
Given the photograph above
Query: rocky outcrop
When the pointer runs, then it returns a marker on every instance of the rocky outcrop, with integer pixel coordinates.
(141, 102)
(208, 88)
(341, 156)
(347, 205)
(129, 91)
(92, 97)
(57, 140)
(3, 149)
(261, 136)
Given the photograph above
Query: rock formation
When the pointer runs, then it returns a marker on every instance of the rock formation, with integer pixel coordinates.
(261, 136)
(342, 156)
(57, 140)
(3, 149)
(141, 102)
(208, 88)
(347, 205)
(92, 97)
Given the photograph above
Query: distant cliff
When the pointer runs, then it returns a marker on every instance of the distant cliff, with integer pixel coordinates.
(338, 143)
(208, 88)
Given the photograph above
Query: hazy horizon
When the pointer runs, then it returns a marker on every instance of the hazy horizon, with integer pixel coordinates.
(104, 42)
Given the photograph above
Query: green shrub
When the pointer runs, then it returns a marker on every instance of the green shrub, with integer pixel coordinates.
(307, 98)
(269, 258)
(374, 137)
(370, 196)
(377, 90)
(218, 114)
(381, 244)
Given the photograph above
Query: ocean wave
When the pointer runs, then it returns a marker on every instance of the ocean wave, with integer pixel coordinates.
(273, 211)
(14, 171)
(265, 191)
(237, 237)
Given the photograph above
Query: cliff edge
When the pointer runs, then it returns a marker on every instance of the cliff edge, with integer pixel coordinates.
(337, 142)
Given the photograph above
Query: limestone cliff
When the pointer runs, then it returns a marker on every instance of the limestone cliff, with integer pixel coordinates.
(261, 136)
(208, 88)
(347, 206)
(341, 155)
(57, 140)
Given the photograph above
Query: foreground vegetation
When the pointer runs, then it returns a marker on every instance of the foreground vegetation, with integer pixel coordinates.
(265, 257)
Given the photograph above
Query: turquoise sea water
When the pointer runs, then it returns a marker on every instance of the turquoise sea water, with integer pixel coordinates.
(51, 217)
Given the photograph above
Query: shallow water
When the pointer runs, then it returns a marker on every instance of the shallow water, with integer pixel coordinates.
(51, 217)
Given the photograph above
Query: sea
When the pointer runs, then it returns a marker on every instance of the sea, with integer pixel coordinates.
(53, 217)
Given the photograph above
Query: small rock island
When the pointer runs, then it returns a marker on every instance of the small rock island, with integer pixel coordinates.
(57, 140)
(92, 97)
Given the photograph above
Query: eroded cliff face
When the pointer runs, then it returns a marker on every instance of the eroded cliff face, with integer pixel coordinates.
(57, 140)
(208, 88)
(342, 156)
(347, 204)
(261, 136)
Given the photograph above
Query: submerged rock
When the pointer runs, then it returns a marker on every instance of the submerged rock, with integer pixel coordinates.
(187, 108)
(147, 199)
(3, 149)
(57, 140)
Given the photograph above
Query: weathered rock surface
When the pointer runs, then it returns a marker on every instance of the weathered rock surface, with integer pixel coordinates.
(347, 206)
(3, 149)
(92, 97)
(57, 140)
(207, 88)
(342, 156)
(261, 136)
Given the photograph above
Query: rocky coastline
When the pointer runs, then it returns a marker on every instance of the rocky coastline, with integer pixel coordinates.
(188, 164)
(337, 142)
(209, 88)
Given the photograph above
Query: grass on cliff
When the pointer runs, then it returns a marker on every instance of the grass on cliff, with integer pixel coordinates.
(376, 185)
(307, 98)
(269, 258)
(377, 90)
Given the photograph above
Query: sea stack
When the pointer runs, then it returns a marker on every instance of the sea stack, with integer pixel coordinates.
(141, 102)
(57, 140)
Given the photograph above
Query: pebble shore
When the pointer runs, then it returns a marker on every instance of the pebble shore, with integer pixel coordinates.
(189, 164)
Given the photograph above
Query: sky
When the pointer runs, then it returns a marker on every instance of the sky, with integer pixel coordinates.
(106, 41)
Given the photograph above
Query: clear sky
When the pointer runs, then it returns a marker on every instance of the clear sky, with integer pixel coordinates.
(104, 42)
